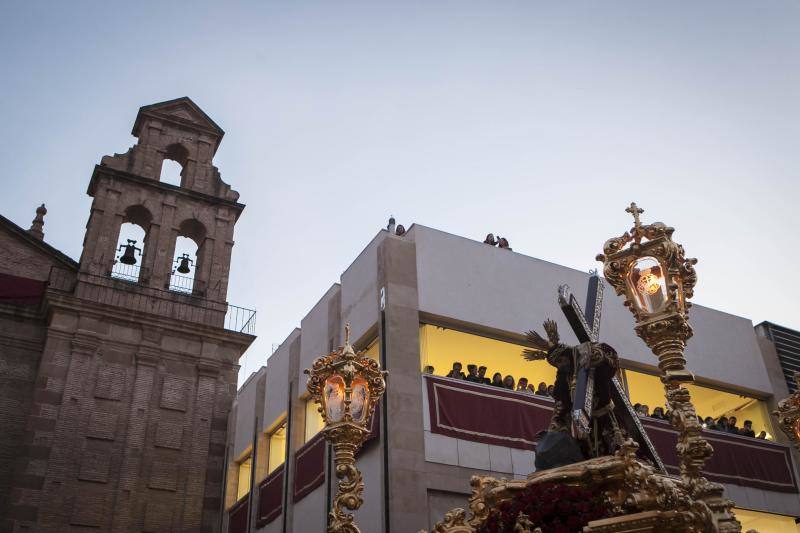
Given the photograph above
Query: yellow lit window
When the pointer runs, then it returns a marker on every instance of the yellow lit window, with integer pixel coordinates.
(314, 421)
(647, 389)
(277, 448)
(441, 347)
(243, 484)
(373, 350)
(758, 521)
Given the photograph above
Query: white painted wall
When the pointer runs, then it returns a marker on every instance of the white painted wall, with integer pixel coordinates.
(309, 513)
(245, 413)
(314, 341)
(277, 389)
(467, 280)
(360, 289)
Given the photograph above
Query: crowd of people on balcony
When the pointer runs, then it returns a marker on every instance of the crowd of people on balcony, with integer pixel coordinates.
(726, 424)
(477, 374)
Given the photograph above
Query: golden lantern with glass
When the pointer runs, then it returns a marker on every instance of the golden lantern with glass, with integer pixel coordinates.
(347, 386)
(656, 279)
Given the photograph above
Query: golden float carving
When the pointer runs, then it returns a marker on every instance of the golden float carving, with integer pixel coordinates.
(788, 414)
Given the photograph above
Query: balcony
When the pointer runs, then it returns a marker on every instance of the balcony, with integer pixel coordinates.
(121, 289)
(468, 411)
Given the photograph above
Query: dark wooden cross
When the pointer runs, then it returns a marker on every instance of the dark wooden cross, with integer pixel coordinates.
(586, 326)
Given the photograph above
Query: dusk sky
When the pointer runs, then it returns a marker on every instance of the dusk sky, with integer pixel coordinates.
(536, 121)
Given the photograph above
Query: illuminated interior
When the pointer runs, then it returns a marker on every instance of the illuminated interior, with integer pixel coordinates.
(243, 483)
(277, 448)
(766, 522)
(314, 422)
(441, 347)
(647, 389)
(372, 351)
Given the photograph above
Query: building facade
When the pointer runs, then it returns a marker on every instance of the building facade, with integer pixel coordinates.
(118, 376)
(429, 299)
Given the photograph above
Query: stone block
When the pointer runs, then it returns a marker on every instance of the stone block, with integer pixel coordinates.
(110, 382)
(441, 449)
(500, 459)
(169, 434)
(102, 426)
(174, 394)
(473, 455)
(163, 475)
(522, 461)
(94, 467)
(157, 517)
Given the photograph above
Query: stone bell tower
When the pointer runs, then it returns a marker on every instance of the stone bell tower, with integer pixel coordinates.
(130, 408)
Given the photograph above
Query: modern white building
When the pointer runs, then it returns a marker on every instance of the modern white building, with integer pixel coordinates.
(432, 298)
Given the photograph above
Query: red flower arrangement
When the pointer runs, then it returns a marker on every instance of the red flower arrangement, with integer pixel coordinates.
(554, 508)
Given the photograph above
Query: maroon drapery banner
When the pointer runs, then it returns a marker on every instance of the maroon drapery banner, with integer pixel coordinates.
(492, 415)
(309, 467)
(270, 497)
(737, 459)
(488, 414)
(22, 291)
(237, 516)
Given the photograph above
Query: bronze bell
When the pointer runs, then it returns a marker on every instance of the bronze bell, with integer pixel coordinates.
(183, 268)
(128, 256)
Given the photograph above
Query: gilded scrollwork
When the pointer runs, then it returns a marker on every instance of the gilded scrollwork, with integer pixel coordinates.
(788, 414)
(346, 432)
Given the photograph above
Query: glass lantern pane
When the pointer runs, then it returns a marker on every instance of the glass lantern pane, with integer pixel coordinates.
(646, 280)
(359, 400)
(333, 398)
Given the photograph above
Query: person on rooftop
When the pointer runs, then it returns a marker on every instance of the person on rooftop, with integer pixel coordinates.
(522, 385)
(762, 435)
(497, 380)
(550, 389)
(541, 390)
(428, 369)
(709, 423)
(508, 382)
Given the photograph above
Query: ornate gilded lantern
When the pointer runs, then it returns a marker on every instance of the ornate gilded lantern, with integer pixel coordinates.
(347, 386)
(788, 414)
(653, 274)
(657, 281)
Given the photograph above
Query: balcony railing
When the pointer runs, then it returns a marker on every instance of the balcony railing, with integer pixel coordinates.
(178, 283)
(125, 292)
(125, 272)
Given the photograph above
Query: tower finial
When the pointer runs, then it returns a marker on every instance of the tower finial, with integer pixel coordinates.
(347, 334)
(37, 226)
(635, 210)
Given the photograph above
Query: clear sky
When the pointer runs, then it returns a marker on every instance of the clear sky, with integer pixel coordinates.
(537, 121)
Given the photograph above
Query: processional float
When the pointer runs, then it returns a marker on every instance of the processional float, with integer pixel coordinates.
(595, 442)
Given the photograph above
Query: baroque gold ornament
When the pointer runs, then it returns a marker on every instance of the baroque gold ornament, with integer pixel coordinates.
(347, 386)
(788, 414)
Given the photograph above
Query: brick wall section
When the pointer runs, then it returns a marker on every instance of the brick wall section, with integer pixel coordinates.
(22, 332)
(19, 259)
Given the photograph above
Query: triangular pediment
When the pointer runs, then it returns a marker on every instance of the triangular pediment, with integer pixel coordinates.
(181, 110)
